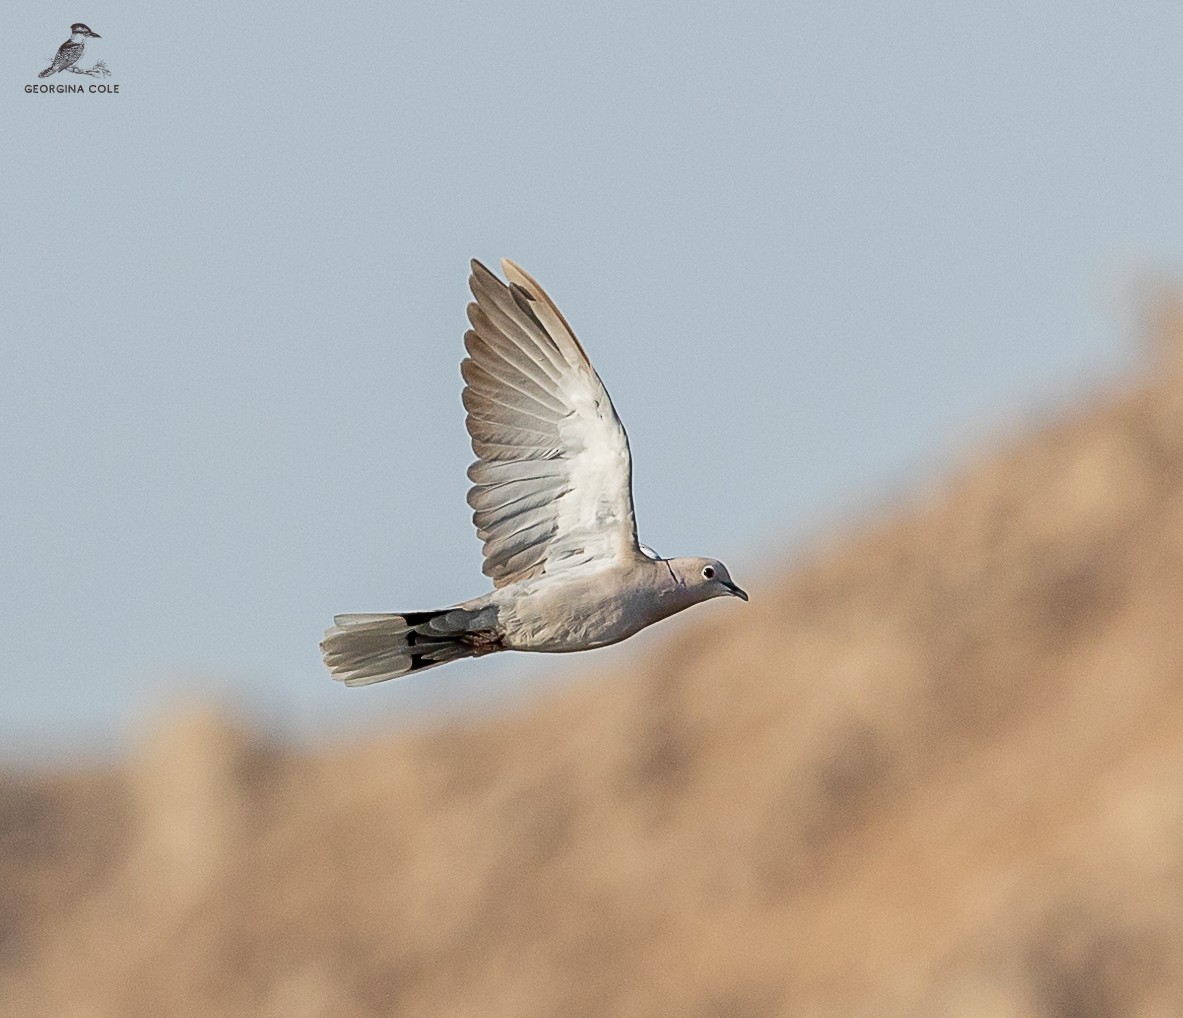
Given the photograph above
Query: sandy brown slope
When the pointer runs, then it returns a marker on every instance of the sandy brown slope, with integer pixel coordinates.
(936, 770)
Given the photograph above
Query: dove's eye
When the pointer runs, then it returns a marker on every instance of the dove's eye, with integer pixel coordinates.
(708, 572)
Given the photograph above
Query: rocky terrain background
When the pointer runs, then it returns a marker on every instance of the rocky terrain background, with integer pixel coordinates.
(935, 768)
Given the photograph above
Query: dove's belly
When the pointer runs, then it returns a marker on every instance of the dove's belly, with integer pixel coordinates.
(559, 618)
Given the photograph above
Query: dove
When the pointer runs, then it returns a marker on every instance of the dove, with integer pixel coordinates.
(552, 502)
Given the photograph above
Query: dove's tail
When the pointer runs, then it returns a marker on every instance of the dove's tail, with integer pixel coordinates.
(48, 71)
(361, 649)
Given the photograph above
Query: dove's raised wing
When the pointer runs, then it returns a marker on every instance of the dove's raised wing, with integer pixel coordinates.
(552, 484)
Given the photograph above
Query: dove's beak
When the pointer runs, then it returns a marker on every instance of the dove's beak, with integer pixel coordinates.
(736, 591)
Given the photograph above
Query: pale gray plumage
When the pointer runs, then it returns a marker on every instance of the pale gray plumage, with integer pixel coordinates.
(552, 501)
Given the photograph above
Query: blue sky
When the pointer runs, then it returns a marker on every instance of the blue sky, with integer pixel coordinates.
(810, 248)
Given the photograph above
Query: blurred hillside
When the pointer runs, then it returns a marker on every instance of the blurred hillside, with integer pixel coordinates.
(936, 769)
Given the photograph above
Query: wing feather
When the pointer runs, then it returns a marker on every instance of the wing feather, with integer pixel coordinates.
(490, 502)
(500, 411)
(519, 392)
(502, 434)
(520, 513)
(496, 495)
(511, 322)
(520, 540)
(500, 471)
(505, 501)
(507, 450)
(552, 483)
(484, 334)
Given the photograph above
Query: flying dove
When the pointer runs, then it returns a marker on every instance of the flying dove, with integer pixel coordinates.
(552, 501)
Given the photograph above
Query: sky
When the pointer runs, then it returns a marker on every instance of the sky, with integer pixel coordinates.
(812, 249)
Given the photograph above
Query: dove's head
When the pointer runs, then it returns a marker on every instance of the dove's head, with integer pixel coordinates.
(78, 28)
(705, 577)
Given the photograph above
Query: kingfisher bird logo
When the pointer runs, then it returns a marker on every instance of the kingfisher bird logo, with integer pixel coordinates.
(69, 60)
(70, 53)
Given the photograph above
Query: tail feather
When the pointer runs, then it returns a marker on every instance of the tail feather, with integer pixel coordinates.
(365, 648)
